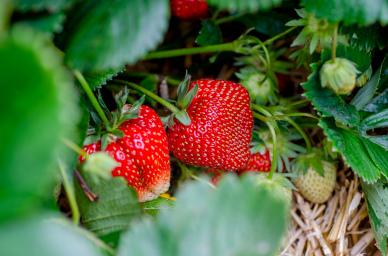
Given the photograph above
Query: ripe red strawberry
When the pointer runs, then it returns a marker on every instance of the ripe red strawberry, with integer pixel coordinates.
(220, 130)
(258, 163)
(142, 154)
(189, 9)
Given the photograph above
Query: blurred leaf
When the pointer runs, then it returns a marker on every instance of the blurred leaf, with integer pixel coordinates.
(362, 12)
(366, 38)
(209, 34)
(365, 94)
(49, 24)
(114, 210)
(244, 6)
(39, 5)
(98, 79)
(269, 23)
(206, 222)
(154, 207)
(126, 31)
(353, 150)
(47, 236)
(38, 109)
(377, 199)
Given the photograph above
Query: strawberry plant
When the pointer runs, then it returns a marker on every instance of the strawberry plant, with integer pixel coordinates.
(193, 127)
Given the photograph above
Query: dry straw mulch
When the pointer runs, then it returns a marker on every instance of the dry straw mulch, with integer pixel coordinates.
(337, 227)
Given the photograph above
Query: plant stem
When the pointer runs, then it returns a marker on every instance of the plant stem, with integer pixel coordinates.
(188, 173)
(334, 43)
(170, 80)
(301, 132)
(88, 193)
(150, 94)
(231, 47)
(74, 147)
(273, 39)
(229, 18)
(85, 86)
(189, 51)
(69, 190)
(274, 150)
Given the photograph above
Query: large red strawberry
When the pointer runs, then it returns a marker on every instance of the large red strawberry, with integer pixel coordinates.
(220, 130)
(142, 154)
(258, 163)
(189, 9)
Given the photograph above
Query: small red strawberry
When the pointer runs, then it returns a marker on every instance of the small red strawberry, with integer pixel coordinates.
(258, 163)
(189, 9)
(142, 154)
(220, 130)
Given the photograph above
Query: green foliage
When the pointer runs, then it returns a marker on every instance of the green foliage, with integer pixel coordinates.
(114, 209)
(362, 12)
(206, 222)
(98, 79)
(377, 199)
(209, 34)
(39, 5)
(49, 24)
(123, 35)
(353, 149)
(31, 129)
(47, 235)
(245, 6)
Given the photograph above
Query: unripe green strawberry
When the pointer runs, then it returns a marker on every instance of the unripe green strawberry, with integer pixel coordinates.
(317, 188)
(261, 88)
(339, 75)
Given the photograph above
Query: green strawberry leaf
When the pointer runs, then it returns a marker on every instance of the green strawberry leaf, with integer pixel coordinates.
(377, 201)
(183, 117)
(378, 120)
(268, 23)
(40, 5)
(154, 207)
(31, 130)
(365, 94)
(379, 156)
(48, 235)
(98, 79)
(378, 103)
(49, 24)
(114, 209)
(362, 12)
(245, 6)
(353, 150)
(182, 230)
(126, 31)
(209, 34)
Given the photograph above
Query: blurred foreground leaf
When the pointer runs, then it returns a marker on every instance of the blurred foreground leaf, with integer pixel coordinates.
(38, 109)
(240, 217)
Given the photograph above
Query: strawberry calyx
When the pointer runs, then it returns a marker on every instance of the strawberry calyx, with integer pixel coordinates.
(310, 160)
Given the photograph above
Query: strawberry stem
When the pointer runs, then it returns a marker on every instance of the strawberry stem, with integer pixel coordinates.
(272, 126)
(85, 86)
(74, 147)
(186, 172)
(334, 43)
(85, 188)
(301, 132)
(226, 47)
(150, 94)
(69, 190)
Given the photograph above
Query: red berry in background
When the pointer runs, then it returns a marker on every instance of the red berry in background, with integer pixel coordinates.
(189, 9)
(142, 154)
(220, 130)
(258, 163)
